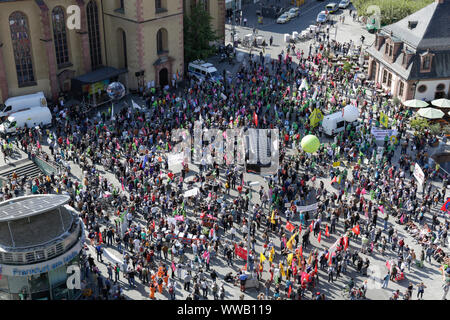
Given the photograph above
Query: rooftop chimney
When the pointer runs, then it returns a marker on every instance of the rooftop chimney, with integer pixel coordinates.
(412, 24)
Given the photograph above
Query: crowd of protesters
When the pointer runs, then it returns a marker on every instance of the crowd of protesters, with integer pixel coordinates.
(139, 208)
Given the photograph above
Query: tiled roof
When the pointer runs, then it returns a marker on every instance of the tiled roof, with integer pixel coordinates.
(432, 30)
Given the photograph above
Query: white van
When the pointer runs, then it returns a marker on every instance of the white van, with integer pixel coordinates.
(20, 103)
(31, 118)
(204, 71)
(333, 123)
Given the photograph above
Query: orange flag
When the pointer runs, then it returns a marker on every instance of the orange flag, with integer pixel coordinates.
(289, 226)
(326, 231)
(356, 229)
(320, 236)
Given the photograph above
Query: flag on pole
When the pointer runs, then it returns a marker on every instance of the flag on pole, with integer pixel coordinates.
(311, 226)
(345, 243)
(272, 218)
(272, 253)
(291, 240)
(356, 229)
(315, 117)
(315, 269)
(255, 118)
(320, 236)
(289, 226)
(262, 258)
(173, 266)
(289, 258)
(326, 231)
(384, 120)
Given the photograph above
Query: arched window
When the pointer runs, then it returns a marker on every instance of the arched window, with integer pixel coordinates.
(94, 34)
(162, 41)
(60, 37)
(122, 48)
(21, 43)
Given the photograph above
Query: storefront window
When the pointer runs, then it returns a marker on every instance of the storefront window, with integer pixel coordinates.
(75, 293)
(58, 278)
(39, 286)
(60, 292)
(4, 289)
(18, 287)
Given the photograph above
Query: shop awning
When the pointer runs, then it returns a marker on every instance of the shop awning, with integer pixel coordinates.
(98, 75)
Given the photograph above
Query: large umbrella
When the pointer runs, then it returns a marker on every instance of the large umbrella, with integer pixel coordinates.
(441, 103)
(415, 103)
(430, 113)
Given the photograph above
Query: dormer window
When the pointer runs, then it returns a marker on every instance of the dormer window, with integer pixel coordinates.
(426, 60)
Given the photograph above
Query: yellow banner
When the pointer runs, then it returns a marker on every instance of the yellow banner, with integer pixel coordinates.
(315, 117)
(261, 257)
(336, 164)
(384, 120)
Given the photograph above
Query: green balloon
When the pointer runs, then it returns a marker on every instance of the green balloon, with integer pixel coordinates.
(310, 143)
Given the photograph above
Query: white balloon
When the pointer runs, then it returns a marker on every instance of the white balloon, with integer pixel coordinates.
(351, 113)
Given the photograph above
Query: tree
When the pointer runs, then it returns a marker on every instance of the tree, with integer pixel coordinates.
(347, 66)
(419, 124)
(391, 10)
(198, 34)
(435, 129)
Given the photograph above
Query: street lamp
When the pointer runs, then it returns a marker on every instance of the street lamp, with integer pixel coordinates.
(414, 85)
(335, 29)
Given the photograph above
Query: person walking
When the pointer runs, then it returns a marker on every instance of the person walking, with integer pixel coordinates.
(385, 281)
(420, 290)
(110, 271)
(330, 273)
(116, 272)
(187, 281)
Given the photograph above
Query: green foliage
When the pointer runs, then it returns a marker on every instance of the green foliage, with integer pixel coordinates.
(419, 124)
(347, 66)
(391, 10)
(396, 101)
(446, 130)
(435, 129)
(198, 34)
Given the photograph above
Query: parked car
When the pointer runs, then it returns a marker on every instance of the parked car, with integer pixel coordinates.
(332, 7)
(322, 17)
(283, 18)
(344, 4)
(293, 12)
